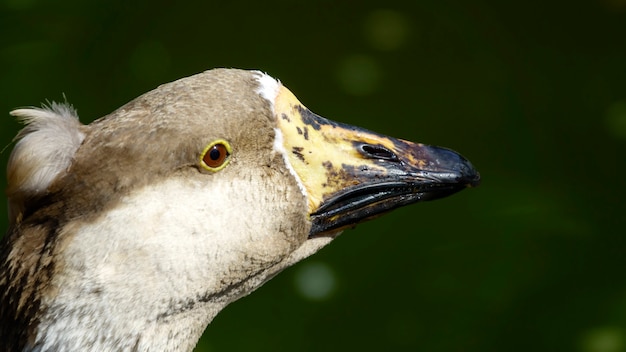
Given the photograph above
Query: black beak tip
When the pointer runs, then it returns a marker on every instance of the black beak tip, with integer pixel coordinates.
(456, 164)
(473, 180)
(469, 175)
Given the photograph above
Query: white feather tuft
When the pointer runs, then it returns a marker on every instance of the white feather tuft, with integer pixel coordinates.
(279, 147)
(45, 149)
(268, 87)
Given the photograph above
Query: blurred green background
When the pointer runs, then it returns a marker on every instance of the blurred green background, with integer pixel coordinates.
(533, 93)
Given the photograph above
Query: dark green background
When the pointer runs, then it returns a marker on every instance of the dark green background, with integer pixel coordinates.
(533, 92)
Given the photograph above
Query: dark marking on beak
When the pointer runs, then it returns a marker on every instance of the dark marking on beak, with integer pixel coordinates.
(351, 174)
(316, 121)
(413, 173)
(297, 151)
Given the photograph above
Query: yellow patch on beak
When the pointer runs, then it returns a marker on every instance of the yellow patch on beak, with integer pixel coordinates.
(322, 152)
(351, 174)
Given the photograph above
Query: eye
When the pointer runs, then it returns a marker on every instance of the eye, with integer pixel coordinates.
(216, 155)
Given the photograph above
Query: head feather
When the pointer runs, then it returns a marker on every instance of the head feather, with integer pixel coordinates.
(45, 149)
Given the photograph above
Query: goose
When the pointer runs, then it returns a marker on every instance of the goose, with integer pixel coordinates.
(131, 233)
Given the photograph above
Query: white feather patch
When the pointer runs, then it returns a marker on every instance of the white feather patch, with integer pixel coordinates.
(45, 148)
(279, 147)
(268, 87)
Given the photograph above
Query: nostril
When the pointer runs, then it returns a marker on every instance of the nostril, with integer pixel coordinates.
(377, 152)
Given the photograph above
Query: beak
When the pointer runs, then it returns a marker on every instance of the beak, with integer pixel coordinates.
(351, 174)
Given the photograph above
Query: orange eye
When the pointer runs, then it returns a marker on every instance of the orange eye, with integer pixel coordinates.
(216, 155)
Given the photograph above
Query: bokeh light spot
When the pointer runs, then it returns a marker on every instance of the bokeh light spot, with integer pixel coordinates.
(359, 75)
(386, 29)
(605, 339)
(616, 119)
(315, 281)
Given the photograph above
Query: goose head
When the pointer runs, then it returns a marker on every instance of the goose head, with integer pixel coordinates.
(133, 232)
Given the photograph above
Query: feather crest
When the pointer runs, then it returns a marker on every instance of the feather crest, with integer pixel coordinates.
(44, 151)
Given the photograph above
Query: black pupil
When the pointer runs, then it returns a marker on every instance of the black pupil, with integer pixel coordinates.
(215, 153)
